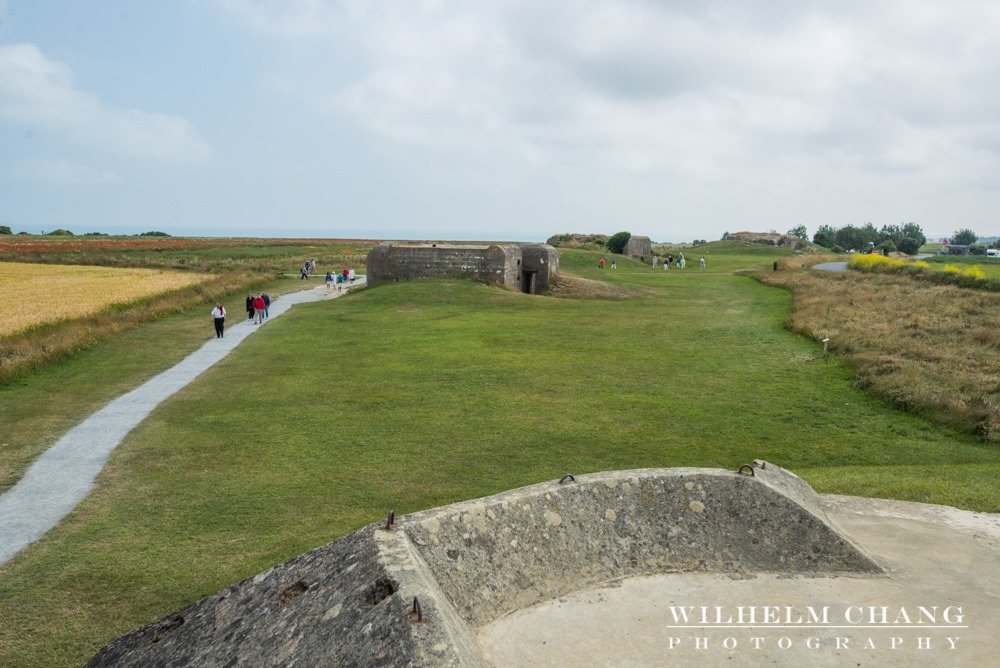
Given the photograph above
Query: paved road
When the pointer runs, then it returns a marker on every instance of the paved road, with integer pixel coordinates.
(64, 474)
(831, 266)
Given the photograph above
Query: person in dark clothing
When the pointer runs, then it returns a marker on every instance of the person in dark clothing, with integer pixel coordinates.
(249, 307)
(267, 305)
(219, 317)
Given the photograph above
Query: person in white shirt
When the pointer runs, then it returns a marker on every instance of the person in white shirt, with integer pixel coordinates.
(219, 316)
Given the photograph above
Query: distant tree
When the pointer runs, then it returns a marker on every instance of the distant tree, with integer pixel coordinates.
(825, 236)
(800, 232)
(965, 237)
(909, 245)
(725, 235)
(913, 230)
(870, 233)
(887, 246)
(60, 233)
(94, 234)
(154, 234)
(891, 233)
(977, 250)
(5, 229)
(24, 232)
(857, 238)
(616, 243)
(836, 249)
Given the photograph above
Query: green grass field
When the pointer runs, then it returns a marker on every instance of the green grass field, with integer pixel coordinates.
(412, 395)
(989, 265)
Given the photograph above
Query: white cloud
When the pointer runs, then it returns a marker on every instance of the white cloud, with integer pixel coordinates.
(36, 91)
(63, 173)
(287, 18)
(779, 102)
(655, 86)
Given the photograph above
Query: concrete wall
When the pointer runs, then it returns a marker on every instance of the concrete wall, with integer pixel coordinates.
(495, 264)
(470, 563)
(499, 264)
(510, 551)
(638, 247)
(543, 260)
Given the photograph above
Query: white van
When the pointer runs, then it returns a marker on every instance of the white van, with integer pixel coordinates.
(993, 252)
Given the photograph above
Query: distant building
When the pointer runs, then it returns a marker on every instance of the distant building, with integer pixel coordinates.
(957, 249)
(527, 268)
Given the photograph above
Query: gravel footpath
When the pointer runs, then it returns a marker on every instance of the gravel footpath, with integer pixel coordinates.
(64, 474)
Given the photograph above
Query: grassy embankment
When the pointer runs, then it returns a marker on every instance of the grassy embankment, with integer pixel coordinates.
(417, 394)
(54, 374)
(926, 347)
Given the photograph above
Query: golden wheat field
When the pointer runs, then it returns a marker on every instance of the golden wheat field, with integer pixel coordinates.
(37, 293)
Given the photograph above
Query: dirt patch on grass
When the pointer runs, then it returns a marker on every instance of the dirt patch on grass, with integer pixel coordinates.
(933, 349)
(575, 287)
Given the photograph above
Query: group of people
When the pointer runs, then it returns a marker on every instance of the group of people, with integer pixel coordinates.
(307, 268)
(345, 276)
(668, 262)
(258, 310)
(258, 307)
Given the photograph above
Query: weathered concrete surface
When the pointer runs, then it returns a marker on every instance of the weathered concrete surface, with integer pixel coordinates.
(470, 563)
(521, 267)
(505, 552)
(542, 261)
(936, 556)
(399, 261)
(347, 603)
(640, 247)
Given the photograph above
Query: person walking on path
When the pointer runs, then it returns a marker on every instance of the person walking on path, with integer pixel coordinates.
(219, 316)
(267, 304)
(702, 262)
(614, 264)
(600, 263)
(304, 271)
(329, 279)
(258, 308)
(64, 474)
(249, 307)
(654, 261)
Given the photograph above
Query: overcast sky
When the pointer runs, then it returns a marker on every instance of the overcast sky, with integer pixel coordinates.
(501, 120)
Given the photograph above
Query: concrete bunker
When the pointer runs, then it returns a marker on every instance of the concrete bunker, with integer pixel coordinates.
(528, 268)
(412, 590)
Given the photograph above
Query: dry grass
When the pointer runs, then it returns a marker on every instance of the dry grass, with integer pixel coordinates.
(41, 293)
(795, 262)
(933, 349)
(28, 349)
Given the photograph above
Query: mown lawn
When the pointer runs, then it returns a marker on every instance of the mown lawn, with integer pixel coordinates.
(36, 409)
(413, 395)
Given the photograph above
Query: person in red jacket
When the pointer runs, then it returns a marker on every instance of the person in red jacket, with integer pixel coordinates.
(258, 309)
